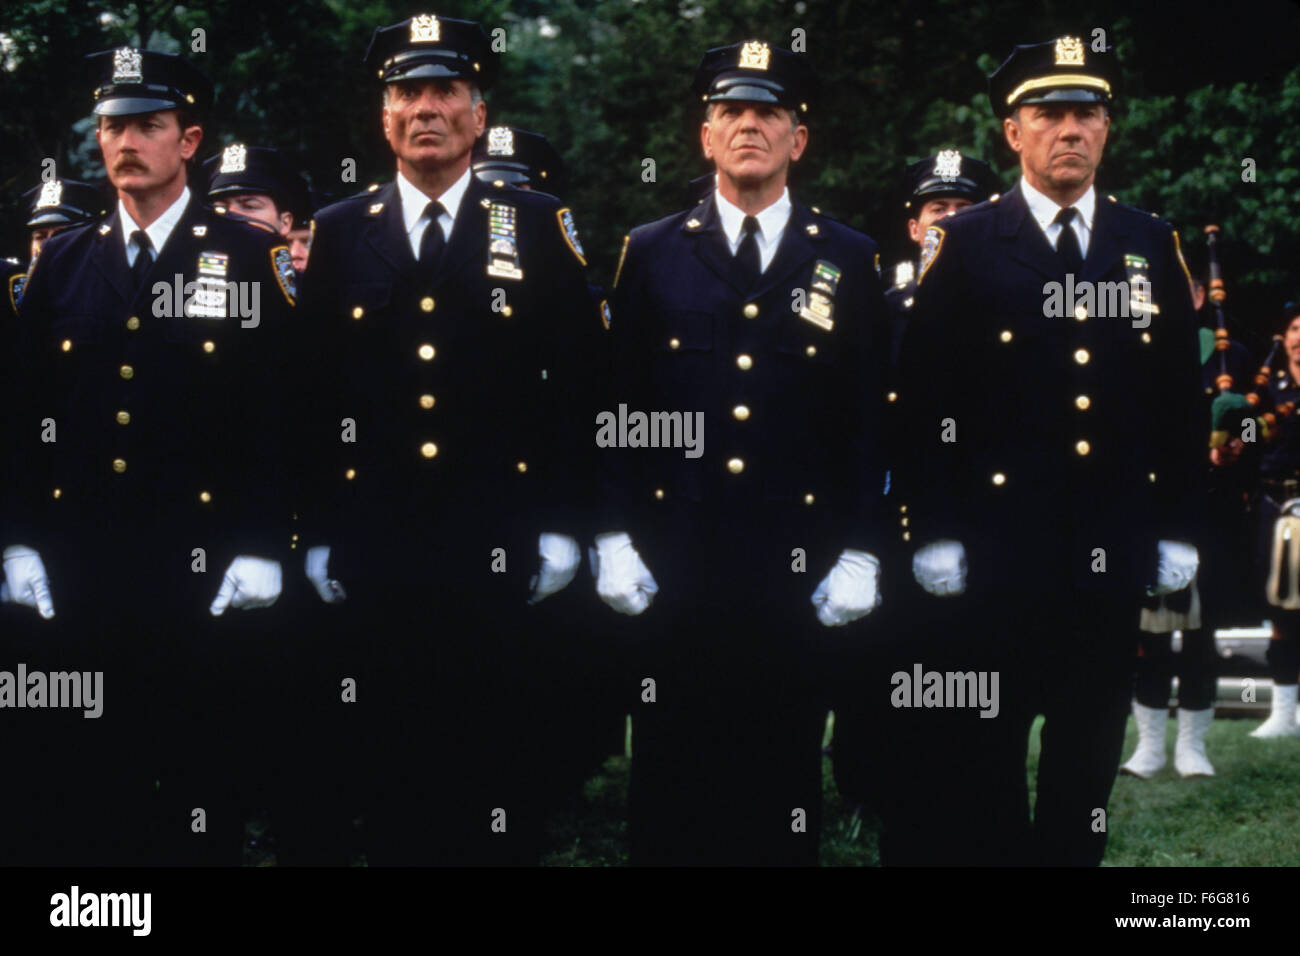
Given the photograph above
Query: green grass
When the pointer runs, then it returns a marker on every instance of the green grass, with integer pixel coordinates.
(1247, 815)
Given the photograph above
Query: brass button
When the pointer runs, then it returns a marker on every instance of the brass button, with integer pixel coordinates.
(674, 344)
(1081, 356)
(902, 509)
(67, 345)
(903, 521)
(741, 412)
(133, 323)
(209, 346)
(907, 536)
(1152, 477)
(428, 449)
(521, 466)
(1146, 338)
(999, 478)
(1082, 447)
(426, 352)
(1083, 403)
(358, 312)
(426, 304)
(810, 351)
(751, 311)
(206, 497)
(507, 311)
(126, 371)
(744, 363)
(350, 474)
(892, 396)
(1006, 335)
(1080, 312)
(124, 418)
(426, 401)
(808, 499)
(58, 492)
(119, 465)
(659, 494)
(735, 466)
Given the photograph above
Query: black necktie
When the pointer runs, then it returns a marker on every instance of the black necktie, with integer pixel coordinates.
(748, 264)
(143, 258)
(1067, 244)
(432, 243)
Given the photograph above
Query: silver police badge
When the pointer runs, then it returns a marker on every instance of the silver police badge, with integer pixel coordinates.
(126, 66)
(51, 194)
(234, 159)
(904, 272)
(947, 165)
(501, 141)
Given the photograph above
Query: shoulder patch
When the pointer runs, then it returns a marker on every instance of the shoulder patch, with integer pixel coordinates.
(606, 316)
(622, 256)
(930, 247)
(569, 229)
(16, 284)
(285, 277)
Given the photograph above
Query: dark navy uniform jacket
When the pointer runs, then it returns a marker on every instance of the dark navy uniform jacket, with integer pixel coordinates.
(169, 423)
(469, 392)
(1074, 433)
(792, 454)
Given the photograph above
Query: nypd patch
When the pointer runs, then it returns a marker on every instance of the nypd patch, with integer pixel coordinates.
(570, 230)
(282, 263)
(930, 250)
(18, 282)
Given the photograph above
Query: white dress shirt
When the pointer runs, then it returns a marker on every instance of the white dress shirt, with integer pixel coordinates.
(1044, 210)
(771, 224)
(414, 201)
(157, 231)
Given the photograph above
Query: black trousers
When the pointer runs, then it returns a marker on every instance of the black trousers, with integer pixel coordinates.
(1195, 666)
(726, 757)
(962, 796)
(149, 781)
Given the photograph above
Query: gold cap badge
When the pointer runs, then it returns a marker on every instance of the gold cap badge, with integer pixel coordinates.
(1069, 52)
(754, 55)
(424, 29)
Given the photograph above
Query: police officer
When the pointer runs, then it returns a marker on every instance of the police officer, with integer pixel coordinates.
(452, 460)
(518, 157)
(1225, 588)
(757, 533)
(1280, 486)
(148, 414)
(55, 205)
(257, 183)
(937, 186)
(1054, 463)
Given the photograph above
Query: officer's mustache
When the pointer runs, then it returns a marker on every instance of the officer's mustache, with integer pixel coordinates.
(128, 164)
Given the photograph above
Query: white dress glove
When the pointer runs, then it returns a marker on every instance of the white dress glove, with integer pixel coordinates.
(1177, 567)
(560, 556)
(850, 591)
(248, 583)
(940, 568)
(622, 579)
(316, 566)
(26, 580)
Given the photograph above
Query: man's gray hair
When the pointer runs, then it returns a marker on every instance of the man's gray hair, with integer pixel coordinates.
(475, 94)
(708, 113)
